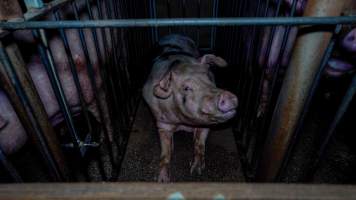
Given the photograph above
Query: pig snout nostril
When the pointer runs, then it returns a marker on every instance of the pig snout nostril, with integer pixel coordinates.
(227, 102)
(222, 103)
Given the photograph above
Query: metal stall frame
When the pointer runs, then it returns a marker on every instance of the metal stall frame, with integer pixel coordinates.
(16, 81)
(186, 22)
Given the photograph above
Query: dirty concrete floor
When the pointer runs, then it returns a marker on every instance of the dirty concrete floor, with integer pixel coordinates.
(143, 151)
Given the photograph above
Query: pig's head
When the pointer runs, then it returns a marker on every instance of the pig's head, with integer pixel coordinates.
(194, 93)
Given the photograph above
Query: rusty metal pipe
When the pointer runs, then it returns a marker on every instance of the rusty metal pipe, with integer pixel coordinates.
(304, 65)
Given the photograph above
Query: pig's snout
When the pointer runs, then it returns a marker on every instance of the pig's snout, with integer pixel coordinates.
(349, 42)
(227, 102)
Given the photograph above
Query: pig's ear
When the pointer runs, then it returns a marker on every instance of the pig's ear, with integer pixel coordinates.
(213, 60)
(163, 89)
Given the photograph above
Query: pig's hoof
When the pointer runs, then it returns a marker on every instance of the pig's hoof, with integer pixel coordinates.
(197, 166)
(163, 177)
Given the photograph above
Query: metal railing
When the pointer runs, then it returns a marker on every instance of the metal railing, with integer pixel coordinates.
(122, 33)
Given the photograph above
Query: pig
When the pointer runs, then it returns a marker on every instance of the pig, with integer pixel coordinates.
(337, 67)
(349, 41)
(182, 95)
(12, 134)
(275, 55)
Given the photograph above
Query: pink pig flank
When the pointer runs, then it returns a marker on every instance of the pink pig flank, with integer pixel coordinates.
(12, 134)
(182, 95)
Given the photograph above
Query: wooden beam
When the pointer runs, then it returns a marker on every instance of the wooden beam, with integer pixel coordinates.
(104, 191)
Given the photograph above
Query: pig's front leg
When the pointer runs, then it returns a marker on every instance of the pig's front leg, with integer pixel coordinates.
(166, 137)
(200, 136)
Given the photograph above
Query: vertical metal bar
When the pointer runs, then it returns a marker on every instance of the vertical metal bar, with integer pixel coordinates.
(350, 93)
(34, 118)
(184, 14)
(296, 85)
(250, 80)
(104, 72)
(259, 136)
(213, 29)
(314, 87)
(92, 79)
(153, 15)
(262, 126)
(26, 101)
(114, 95)
(168, 2)
(47, 58)
(275, 69)
(73, 70)
(123, 79)
(235, 35)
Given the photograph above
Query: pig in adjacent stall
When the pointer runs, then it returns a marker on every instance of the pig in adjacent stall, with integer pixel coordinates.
(12, 133)
(335, 67)
(182, 95)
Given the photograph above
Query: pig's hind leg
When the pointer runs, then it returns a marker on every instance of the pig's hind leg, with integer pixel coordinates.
(200, 136)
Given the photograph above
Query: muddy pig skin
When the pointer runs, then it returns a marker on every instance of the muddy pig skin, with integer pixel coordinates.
(182, 95)
(12, 133)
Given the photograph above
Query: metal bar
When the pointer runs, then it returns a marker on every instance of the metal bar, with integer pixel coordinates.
(73, 70)
(27, 102)
(31, 113)
(9, 168)
(168, 4)
(103, 72)
(250, 79)
(47, 58)
(115, 61)
(350, 93)
(296, 86)
(213, 29)
(127, 23)
(94, 87)
(116, 101)
(274, 71)
(313, 89)
(184, 14)
(153, 14)
(259, 137)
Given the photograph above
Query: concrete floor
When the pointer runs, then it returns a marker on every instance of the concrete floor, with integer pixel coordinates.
(142, 154)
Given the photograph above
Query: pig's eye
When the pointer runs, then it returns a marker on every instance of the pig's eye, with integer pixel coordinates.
(187, 88)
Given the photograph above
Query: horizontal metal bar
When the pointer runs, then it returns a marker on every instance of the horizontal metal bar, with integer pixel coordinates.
(125, 23)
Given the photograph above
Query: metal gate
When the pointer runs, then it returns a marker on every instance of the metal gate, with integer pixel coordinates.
(100, 50)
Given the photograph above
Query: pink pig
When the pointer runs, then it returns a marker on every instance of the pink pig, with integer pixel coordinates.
(182, 95)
